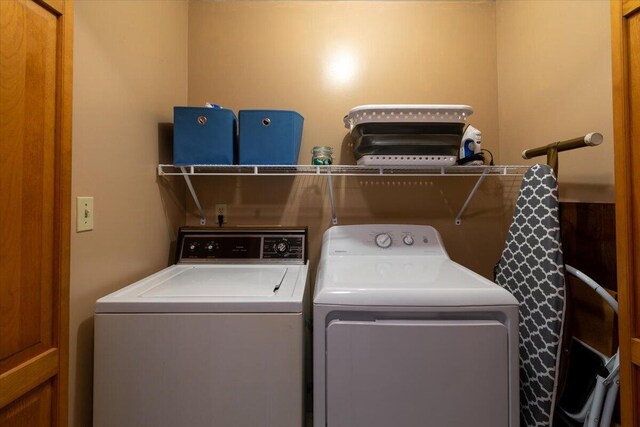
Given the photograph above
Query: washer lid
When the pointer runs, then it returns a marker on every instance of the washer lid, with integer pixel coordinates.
(404, 281)
(212, 289)
(226, 282)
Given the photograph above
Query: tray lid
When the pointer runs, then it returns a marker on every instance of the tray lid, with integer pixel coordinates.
(407, 113)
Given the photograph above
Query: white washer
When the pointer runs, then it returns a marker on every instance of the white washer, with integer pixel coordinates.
(217, 339)
(403, 336)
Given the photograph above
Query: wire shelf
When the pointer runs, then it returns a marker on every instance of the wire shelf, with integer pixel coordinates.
(340, 170)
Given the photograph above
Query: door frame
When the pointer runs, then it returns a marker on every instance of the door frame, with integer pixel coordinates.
(627, 214)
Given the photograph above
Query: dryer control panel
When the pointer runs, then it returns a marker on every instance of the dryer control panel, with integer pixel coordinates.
(242, 245)
(383, 239)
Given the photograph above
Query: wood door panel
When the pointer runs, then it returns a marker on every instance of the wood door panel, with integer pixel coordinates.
(633, 37)
(27, 168)
(35, 159)
(636, 402)
(32, 409)
(629, 6)
(28, 376)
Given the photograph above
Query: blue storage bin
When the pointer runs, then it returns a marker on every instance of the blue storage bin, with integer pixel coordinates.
(269, 137)
(203, 136)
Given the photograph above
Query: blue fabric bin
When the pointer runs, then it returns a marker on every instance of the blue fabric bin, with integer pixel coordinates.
(203, 136)
(269, 137)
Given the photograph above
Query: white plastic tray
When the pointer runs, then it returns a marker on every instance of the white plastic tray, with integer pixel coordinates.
(407, 113)
(407, 160)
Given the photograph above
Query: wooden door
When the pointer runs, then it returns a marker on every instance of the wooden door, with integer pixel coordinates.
(35, 155)
(625, 25)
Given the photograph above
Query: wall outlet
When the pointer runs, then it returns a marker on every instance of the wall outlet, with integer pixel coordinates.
(84, 220)
(222, 210)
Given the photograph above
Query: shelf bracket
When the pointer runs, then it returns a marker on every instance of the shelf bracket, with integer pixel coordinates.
(203, 219)
(334, 216)
(473, 193)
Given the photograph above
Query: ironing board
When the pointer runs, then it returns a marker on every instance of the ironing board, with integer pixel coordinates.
(532, 269)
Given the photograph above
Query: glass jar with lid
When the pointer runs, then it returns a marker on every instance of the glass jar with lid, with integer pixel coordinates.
(322, 156)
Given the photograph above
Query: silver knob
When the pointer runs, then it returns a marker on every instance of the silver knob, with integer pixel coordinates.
(383, 240)
(407, 240)
(281, 247)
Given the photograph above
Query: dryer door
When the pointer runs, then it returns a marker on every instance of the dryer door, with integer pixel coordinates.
(400, 373)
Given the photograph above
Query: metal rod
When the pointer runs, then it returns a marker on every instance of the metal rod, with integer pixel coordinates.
(473, 193)
(551, 150)
(203, 219)
(552, 158)
(593, 285)
(334, 216)
(610, 402)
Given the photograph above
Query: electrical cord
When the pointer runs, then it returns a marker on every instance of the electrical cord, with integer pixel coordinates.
(491, 154)
(220, 220)
(471, 158)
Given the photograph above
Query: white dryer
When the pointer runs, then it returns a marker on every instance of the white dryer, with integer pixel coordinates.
(405, 337)
(215, 340)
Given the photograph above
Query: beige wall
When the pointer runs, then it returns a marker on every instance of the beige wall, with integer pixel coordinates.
(532, 74)
(130, 68)
(521, 65)
(554, 83)
(280, 55)
(283, 55)
(477, 243)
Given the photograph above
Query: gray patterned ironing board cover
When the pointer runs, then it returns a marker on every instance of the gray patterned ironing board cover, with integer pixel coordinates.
(532, 269)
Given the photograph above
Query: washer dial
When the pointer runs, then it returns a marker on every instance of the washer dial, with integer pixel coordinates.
(383, 240)
(407, 240)
(282, 247)
(212, 247)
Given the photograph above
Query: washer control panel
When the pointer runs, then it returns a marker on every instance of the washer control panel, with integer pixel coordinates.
(242, 245)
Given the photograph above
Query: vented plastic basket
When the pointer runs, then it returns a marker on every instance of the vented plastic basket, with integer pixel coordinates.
(269, 137)
(203, 136)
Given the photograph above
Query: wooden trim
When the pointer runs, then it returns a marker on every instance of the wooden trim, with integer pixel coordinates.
(635, 351)
(63, 214)
(630, 6)
(623, 211)
(56, 6)
(30, 374)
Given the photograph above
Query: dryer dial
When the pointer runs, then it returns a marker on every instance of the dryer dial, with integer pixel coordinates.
(383, 240)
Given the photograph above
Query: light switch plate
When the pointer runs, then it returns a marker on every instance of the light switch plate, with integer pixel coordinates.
(84, 214)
